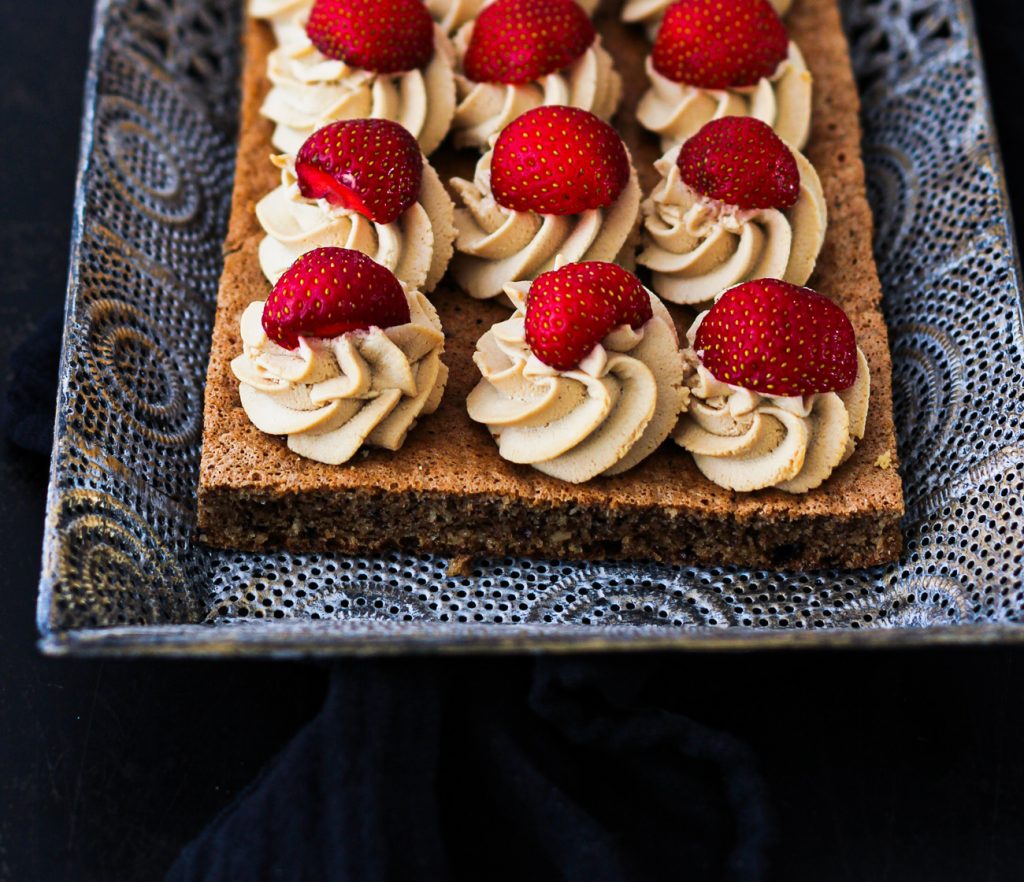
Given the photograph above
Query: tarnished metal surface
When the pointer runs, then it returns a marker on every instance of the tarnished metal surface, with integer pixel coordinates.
(123, 574)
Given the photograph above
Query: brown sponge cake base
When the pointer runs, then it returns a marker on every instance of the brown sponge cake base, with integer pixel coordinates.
(447, 491)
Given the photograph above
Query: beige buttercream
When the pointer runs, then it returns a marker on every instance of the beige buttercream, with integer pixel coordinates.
(416, 247)
(697, 247)
(601, 418)
(650, 12)
(496, 245)
(675, 111)
(287, 18)
(484, 109)
(309, 90)
(744, 441)
(332, 396)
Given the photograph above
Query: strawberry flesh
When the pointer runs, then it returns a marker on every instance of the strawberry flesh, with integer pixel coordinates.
(558, 160)
(720, 44)
(331, 291)
(384, 36)
(518, 41)
(778, 339)
(572, 309)
(741, 161)
(372, 166)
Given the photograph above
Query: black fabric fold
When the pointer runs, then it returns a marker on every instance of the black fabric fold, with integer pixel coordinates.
(498, 770)
(343, 800)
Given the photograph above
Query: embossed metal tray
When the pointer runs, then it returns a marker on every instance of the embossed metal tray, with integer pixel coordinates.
(123, 574)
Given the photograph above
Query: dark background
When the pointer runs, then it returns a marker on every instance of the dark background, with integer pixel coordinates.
(881, 765)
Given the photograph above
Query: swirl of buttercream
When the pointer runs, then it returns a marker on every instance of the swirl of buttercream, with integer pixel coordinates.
(416, 247)
(332, 396)
(495, 245)
(697, 247)
(309, 90)
(675, 111)
(650, 12)
(601, 418)
(744, 441)
(484, 109)
(287, 18)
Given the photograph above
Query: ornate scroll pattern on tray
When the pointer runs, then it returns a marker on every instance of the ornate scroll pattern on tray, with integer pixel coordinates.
(153, 209)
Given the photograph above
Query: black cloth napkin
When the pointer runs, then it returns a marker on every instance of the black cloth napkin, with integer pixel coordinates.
(562, 769)
(552, 768)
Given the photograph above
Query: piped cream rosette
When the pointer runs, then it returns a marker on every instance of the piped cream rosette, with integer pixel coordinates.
(331, 397)
(650, 12)
(309, 90)
(484, 109)
(416, 247)
(744, 441)
(288, 17)
(495, 245)
(602, 418)
(675, 111)
(697, 247)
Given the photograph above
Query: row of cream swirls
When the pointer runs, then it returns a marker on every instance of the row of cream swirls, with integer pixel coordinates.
(635, 389)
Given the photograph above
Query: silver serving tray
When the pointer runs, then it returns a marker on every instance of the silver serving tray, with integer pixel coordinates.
(122, 572)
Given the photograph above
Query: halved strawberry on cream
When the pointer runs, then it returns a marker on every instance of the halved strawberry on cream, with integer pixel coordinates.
(379, 59)
(779, 389)
(340, 356)
(734, 203)
(362, 184)
(585, 378)
(715, 58)
(521, 54)
(557, 181)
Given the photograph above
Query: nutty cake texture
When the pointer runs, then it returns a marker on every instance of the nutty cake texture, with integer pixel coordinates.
(448, 491)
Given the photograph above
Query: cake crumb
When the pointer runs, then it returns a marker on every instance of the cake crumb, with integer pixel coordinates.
(460, 566)
(884, 461)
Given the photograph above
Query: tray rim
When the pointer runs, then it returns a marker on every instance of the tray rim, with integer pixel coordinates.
(270, 639)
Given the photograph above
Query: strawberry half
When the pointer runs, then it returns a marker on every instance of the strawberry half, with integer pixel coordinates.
(330, 291)
(740, 160)
(572, 309)
(373, 166)
(558, 160)
(720, 44)
(517, 41)
(385, 36)
(778, 339)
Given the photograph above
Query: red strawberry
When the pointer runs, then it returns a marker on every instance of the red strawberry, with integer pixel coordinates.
(572, 309)
(558, 160)
(386, 36)
(718, 44)
(373, 166)
(330, 291)
(516, 41)
(778, 339)
(740, 160)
